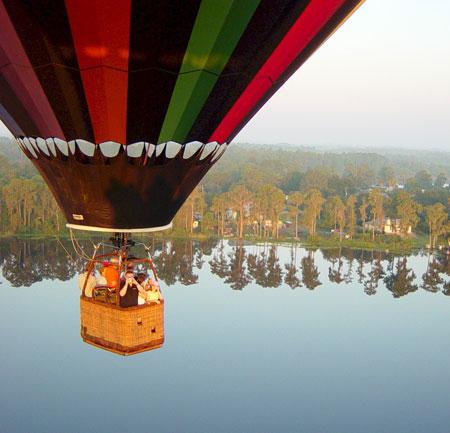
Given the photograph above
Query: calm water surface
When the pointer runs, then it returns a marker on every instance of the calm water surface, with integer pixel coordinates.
(258, 339)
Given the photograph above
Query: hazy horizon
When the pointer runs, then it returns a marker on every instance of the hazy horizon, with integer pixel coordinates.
(344, 147)
(326, 147)
(381, 81)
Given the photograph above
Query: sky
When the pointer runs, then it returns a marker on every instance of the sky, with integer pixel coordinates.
(382, 80)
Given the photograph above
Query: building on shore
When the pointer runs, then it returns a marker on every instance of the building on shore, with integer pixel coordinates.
(390, 226)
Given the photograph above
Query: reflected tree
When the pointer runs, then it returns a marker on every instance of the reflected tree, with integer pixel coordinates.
(274, 271)
(431, 279)
(335, 272)
(310, 273)
(444, 268)
(176, 262)
(237, 276)
(373, 277)
(291, 278)
(348, 276)
(25, 262)
(401, 281)
(186, 274)
(165, 264)
(257, 267)
(446, 288)
(360, 269)
(265, 268)
(218, 263)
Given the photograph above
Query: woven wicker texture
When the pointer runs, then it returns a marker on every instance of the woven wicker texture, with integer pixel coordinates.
(125, 331)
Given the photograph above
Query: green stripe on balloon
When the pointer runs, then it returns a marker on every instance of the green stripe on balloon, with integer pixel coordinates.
(217, 30)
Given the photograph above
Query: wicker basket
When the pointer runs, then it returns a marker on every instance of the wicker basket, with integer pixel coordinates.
(125, 331)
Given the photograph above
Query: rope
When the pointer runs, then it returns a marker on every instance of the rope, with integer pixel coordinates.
(77, 247)
(64, 248)
(91, 241)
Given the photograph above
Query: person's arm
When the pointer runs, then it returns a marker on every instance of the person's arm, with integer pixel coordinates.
(139, 287)
(124, 289)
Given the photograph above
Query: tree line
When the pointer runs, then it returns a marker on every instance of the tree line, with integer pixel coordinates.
(26, 204)
(255, 207)
(270, 193)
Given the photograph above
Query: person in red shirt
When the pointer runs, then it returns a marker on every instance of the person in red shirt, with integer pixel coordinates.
(111, 273)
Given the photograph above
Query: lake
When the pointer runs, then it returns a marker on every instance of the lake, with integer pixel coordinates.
(258, 338)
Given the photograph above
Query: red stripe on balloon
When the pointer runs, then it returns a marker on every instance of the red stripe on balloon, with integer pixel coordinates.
(313, 18)
(101, 34)
(19, 74)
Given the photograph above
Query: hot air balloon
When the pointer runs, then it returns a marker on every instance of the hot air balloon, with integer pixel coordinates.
(123, 106)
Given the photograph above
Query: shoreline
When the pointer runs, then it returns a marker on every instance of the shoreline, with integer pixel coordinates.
(391, 245)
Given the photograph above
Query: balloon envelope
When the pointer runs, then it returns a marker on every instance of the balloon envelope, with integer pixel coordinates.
(123, 106)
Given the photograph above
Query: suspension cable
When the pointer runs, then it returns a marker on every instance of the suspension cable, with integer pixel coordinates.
(79, 251)
(64, 248)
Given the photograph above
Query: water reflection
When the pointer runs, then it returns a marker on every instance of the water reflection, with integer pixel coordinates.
(400, 281)
(311, 338)
(310, 272)
(432, 280)
(291, 277)
(24, 262)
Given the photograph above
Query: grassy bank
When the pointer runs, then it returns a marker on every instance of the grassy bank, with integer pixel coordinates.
(381, 243)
